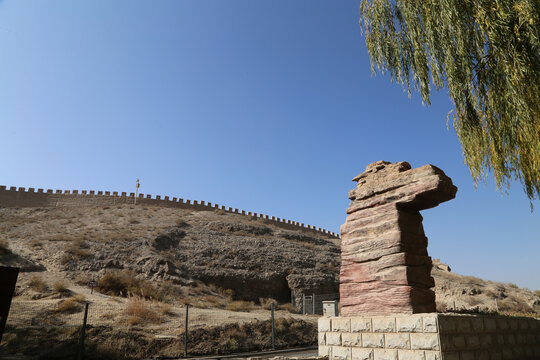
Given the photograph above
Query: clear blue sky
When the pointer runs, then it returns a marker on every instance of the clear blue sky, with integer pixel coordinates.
(267, 106)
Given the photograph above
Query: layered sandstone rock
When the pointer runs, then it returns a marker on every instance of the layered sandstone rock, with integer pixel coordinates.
(385, 266)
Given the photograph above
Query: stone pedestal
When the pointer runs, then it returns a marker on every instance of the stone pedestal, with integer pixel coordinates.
(429, 336)
(385, 267)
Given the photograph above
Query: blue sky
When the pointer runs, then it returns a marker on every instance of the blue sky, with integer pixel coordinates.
(267, 106)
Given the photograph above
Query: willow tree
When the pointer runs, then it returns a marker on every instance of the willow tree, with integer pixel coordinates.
(487, 53)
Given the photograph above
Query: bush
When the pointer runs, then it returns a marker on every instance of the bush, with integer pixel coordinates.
(37, 284)
(60, 287)
(140, 311)
(126, 284)
(71, 305)
(266, 303)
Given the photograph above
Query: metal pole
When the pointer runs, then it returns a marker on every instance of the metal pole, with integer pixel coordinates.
(186, 331)
(303, 304)
(273, 328)
(292, 298)
(313, 303)
(83, 333)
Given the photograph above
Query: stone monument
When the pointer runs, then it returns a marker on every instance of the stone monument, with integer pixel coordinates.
(385, 266)
(387, 307)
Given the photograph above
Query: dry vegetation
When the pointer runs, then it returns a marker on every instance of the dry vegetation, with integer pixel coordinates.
(150, 262)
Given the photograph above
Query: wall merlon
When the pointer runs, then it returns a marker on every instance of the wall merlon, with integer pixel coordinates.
(29, 197)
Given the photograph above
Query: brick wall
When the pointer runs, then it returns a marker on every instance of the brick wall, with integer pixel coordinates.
(21, 197)
(429, 337)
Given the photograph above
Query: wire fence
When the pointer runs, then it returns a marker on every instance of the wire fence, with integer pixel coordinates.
(152, 327)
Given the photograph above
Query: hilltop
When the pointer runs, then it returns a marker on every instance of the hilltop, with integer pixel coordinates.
(179, 249)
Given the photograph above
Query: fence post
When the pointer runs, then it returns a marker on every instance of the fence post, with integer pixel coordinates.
(292, 298)
(83, 333)
(313, 303)
(303, 304)
(273, 328)
(186, 331)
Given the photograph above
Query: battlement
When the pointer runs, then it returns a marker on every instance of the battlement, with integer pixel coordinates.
(21, 197)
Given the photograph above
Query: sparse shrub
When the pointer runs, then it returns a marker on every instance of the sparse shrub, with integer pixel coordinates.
(60, 286)
(37, 284)
(140, 311)
(220, 211)
(181, 223)
(78, 249)
(165, 309)
(71, 305)
(266, 303)
(134, 221)
(240, 305)
(125, 284)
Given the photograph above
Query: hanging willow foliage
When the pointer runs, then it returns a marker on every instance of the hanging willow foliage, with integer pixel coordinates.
(487, 53)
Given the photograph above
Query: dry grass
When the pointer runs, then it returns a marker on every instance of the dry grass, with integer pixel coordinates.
(71, 305)
(37, 284)
(140, 312)
(126, 284)
(239, 305)
(60, 286)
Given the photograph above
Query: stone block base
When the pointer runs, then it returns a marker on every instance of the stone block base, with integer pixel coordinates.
(429, 336)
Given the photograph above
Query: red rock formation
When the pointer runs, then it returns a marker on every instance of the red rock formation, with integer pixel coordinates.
(385, 267)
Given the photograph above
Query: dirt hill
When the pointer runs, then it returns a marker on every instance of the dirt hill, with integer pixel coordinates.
(178, 250)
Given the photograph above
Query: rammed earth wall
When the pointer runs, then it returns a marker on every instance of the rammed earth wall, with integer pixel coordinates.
(20, 197)
(429, 336)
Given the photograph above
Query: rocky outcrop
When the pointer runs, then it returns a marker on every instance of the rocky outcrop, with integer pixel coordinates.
(385, 267)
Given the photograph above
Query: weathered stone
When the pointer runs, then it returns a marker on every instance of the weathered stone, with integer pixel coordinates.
(409, 324)
(372, 340)
(385, 268)
(360, 324)
(322, 338)
(341, 324)
(424, 341)
(397, 341)
(385, 354)
(325, 350)
(351, 339)
(430, 324)
(362, 354)
(341, 353)
(333, 338)
(411, 355)
(324, 325)
(384, 324)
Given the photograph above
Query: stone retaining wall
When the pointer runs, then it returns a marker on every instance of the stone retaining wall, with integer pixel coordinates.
(429, 336)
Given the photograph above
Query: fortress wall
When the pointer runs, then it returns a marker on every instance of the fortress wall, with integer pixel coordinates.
(21, 197)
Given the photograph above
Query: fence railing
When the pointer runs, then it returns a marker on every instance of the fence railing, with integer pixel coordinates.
(75, 328)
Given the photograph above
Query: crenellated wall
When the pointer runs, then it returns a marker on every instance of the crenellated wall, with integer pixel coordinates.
(22, 197)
